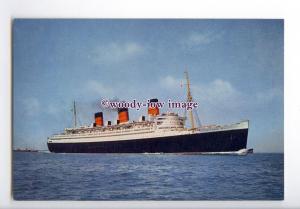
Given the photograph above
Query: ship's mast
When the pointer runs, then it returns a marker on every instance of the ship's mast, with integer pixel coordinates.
(189, 98)
(75, 114)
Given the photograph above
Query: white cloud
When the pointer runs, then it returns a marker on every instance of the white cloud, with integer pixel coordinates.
(53, 109)
(220, 101)
(217, 99)
(117, 52)
(223, 91)
(217, 91)
(99, 88)
(31, 106)
(268, 95)
(170, 82)
(201, 38)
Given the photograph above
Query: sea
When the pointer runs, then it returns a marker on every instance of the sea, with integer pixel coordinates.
(50, 176)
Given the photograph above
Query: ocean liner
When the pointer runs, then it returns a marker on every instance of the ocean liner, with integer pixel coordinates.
(157, 133)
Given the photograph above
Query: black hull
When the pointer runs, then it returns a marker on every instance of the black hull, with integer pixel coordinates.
(221, 141)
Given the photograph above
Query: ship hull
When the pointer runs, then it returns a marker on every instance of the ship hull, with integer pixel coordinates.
(219, 141)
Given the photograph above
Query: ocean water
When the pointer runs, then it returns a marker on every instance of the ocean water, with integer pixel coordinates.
(48, 176)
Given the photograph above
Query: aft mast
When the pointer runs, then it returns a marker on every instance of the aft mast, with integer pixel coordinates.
(75, 114)
(189, 98)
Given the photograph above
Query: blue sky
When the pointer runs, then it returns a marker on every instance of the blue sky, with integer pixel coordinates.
(235, 67)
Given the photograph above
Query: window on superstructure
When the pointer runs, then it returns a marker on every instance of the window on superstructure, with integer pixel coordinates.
(160, 118)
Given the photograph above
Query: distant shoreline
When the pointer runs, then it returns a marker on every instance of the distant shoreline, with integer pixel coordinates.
(26, 150)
